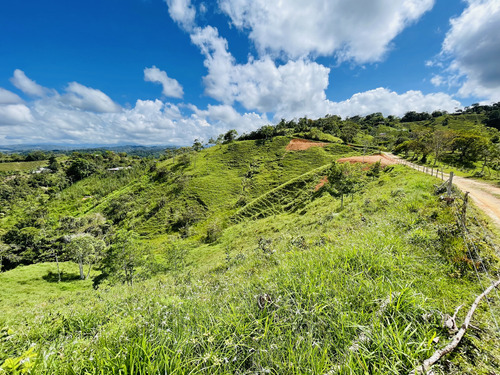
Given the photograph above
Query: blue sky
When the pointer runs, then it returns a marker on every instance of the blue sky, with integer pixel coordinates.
(169, 71)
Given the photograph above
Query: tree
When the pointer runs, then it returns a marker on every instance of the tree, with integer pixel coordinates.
(170, 153)
(216, 141)
(53, 164)
(330, 124)
(403, 147)
(413, 116)
(343, 178)
(6, 253)
(493, 119)
(84, 248)
(374, 170)
(94, 224)
(440, 142)
(267, 131)
(36, 155)
(230, 136)
(489, 153)
(80, 168)
(197, 145)
(348, 131)
(470, 146)
(29, 243)
(126, 257)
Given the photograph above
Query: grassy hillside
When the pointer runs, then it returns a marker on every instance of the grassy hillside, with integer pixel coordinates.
(22, 166)
(181, 194)
(37, 285)
(261, 275)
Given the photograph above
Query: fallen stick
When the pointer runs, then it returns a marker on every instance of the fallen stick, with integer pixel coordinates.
(423, 369)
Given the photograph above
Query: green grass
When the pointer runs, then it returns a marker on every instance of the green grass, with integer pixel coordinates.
(28, 288)
(24, 166)
(358, 291)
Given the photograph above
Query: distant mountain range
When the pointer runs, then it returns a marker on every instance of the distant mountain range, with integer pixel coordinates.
(132, 149)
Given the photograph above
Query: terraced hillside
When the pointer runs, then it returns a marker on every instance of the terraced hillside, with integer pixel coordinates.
(180, 194)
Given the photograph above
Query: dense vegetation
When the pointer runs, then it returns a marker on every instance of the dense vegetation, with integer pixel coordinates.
(238, 258)
(467, 139)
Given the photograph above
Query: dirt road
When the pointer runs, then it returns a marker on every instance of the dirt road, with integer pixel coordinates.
(485, 196)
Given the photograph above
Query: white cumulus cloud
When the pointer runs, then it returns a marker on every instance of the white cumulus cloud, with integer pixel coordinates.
(296, 88)
(13, 114)
(391, 103)
(86, 115)
(473, 45)
(182, 12)
(8, 97)
(171, 88)
(27, 85)
(260, 85)
(89, 99)
(359, 30)
(224, 117)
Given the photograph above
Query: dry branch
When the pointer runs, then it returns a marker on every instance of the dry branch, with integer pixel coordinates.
(424, 368)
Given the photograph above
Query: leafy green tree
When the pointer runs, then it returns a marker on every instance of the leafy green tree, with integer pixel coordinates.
(230, 136)
(267, 131)
(84, 248)
(343, 179)
(413, 116)
(348, 131)
(29, 243)
(403, 147)
(6, 253)
(53, 164)
(184, 157)
(80, 168)
(489, 154)
(493, 118)
(94, 224)
(197, 145)
(330, 124)
(440, 142)
(374, 119)
(374, 171)
(169, 153)
(470, 146)
(126, 257)
(36, 155)
(216, 141)
(422, 143)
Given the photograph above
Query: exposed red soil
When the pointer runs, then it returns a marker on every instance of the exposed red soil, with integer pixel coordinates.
(367, 159)
(322, 182)
(298, 144)
(370, 159)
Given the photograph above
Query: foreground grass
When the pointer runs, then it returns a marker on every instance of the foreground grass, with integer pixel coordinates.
(362, 291)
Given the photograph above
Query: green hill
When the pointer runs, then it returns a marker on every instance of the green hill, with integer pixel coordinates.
(243, 265)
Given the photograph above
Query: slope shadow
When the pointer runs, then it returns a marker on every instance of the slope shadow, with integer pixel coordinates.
(52, 277)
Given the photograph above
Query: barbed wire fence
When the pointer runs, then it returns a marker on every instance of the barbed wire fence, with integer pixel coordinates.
(463, 215)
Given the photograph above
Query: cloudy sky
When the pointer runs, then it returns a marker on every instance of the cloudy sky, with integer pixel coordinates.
(169, 71)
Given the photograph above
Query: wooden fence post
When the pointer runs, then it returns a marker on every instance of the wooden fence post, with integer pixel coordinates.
(450, 183)
(464, 208)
